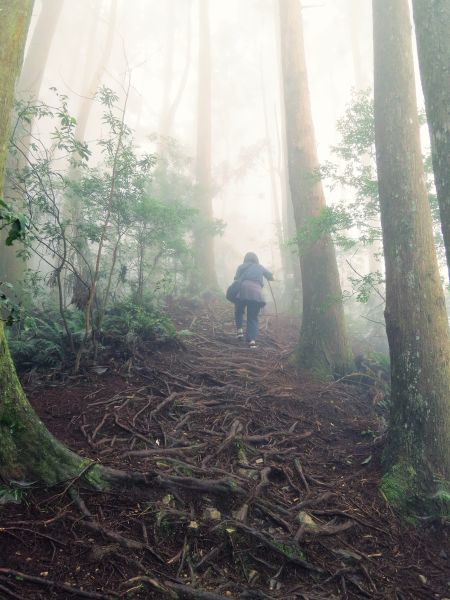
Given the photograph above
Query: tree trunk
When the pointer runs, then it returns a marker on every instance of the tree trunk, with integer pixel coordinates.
(30, 80)
(274, 186)
(14, 23)
(27, 450)
(293, 282)
(83, 281)
(203, 238)
(94, 81)
(12, 267)
(323, 344)
(170, 105)
(418, 448)
(432, 20)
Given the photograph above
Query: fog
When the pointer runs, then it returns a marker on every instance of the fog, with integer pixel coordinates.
(156, 45)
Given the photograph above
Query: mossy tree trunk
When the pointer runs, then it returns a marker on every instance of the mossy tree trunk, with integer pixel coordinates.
(203, 238)
(27, 449)
(418, 445)
(323, 345)
(14, 22)
(432, 20)
(28, 452)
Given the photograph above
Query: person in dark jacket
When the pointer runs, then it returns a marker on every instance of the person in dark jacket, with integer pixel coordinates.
(250, 296)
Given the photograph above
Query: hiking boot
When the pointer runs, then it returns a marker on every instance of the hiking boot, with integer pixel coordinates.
(240, 334)
(252, 344)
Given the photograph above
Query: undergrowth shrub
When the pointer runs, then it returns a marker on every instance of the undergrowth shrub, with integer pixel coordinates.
(145, 322)
(40, 339)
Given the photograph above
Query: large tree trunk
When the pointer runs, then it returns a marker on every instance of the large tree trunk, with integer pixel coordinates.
(432, 20)
(418, 448)
(323, 342)
(203, 239)
(28, 452)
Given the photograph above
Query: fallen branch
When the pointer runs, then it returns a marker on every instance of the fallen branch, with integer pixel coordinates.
(50, 583)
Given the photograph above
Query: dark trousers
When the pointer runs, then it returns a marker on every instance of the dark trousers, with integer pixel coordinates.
(253, 309)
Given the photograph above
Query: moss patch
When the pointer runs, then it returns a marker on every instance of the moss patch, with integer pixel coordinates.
(405, 491)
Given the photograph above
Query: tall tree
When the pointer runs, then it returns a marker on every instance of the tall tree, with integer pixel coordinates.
(14, 22)
(11, 266)
(323, 342)
(91, 84)
(418, 448)
(32, 73)
(293, 282)
(27, 450)
(93, 80)
(169, 104)
(204, 239)
(432, 21)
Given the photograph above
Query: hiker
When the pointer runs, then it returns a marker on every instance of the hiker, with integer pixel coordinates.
(250, 275)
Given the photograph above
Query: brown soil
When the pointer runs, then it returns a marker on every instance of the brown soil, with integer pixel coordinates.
(264, 483)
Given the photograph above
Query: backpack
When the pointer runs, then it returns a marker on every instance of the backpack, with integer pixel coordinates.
(234, 289)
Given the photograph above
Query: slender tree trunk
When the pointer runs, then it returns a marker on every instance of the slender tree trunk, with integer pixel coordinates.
(323, 342)
(274, 184)
(96, 77)
(293, 282)
(418, 448)
(432, 20)
(103, 233)
(203, 239)
(83, 282)
(164, 125)
(32, 74)
(170, 104)
(357, 15)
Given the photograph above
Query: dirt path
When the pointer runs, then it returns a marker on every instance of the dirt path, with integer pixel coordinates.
(264, 484)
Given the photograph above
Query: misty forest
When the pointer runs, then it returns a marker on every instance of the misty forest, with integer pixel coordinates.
(225, 299)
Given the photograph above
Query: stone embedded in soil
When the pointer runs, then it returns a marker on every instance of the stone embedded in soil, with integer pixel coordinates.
(306, 521)
(211, 514)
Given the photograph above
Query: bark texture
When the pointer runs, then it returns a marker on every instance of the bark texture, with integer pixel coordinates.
(323, 342)
(432, 21)
(418, 448)
(14, 21)
(204, 240)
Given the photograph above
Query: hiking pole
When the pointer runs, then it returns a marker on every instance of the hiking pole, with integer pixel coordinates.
(276, 310)
(273, 298)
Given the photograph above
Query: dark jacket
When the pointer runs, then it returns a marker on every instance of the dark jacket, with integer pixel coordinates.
(252, 275)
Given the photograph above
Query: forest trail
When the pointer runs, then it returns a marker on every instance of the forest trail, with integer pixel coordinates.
(264, 483)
